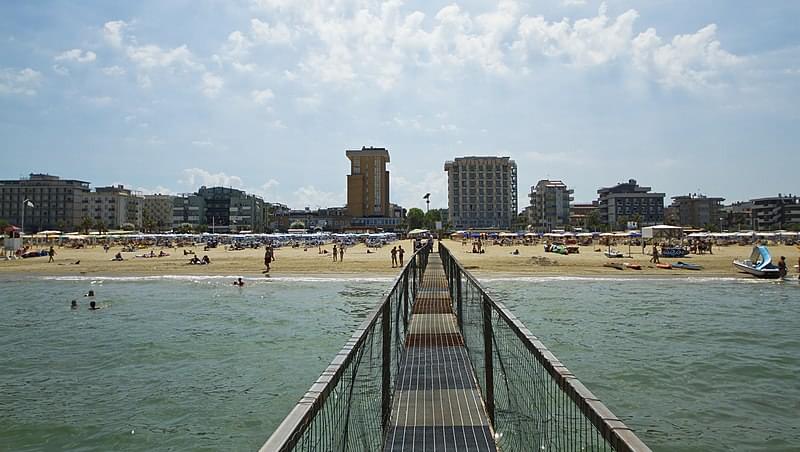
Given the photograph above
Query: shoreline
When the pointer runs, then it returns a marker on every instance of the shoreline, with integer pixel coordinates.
(496, 262)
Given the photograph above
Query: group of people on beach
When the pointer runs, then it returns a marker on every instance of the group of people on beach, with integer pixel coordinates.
(338, 255)
(397, 252)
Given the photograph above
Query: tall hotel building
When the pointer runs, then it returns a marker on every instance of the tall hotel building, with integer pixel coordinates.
(368, 183)
(482, 192)
(57, 203)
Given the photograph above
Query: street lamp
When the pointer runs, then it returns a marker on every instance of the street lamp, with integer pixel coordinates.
(25, 203)
(427, 199)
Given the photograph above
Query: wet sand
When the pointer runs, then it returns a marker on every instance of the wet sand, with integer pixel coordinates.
(497, 260)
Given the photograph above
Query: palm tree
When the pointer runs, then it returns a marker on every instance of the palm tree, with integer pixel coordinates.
(100, 226)
(86, 224)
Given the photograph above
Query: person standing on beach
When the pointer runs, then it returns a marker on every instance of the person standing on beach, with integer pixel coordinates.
(782, 267)
(335, 253)
(401, 252)
(51, 253)
(267, 257)
(654, 259)
(394, 257)
(341, 253)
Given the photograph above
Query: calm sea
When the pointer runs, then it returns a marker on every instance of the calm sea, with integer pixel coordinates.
(189, 363)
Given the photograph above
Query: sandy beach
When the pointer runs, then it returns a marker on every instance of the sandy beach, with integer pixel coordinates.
(497, 260)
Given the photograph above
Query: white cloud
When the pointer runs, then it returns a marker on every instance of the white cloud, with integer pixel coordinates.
(202, 143)
(194, 178)
(408, 192)
(212, 84)
(310, 196)
(158, 190)
(263, 32)
(113, 32)
(144, 81)
(99, 101)
(77, 55)
(269, 184)
(586, 42)
(60, 70)
(263, 96)
(152, 56)
(690, 60)
(359, 42)
(266, 191)
(148, 57)
(277, 124)
(113, 71)
(308, 103)
(24, 81)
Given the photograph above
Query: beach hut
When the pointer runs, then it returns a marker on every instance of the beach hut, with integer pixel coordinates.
(662, 231)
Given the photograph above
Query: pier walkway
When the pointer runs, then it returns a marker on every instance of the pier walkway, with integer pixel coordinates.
(439, 365)
(437, 405)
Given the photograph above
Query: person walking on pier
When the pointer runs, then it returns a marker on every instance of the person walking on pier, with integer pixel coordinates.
(335, 253)
(401, 252)
(394, 257)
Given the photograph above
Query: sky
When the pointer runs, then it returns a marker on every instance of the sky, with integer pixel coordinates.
(686, 96)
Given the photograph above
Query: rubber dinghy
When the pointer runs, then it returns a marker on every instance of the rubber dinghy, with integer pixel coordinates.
(759, 265)
(686, 266)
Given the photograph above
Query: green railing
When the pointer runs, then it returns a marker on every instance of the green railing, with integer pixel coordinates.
(534, 402)
(348, 407)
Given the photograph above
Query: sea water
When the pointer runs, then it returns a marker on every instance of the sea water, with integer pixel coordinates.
(191, 363)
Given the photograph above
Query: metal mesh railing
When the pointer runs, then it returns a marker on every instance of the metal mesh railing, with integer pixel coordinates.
(347, 408)
(534, 402)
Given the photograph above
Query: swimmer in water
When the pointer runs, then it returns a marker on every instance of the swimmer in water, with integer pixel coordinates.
(90, 294)
(93, 306)
(74, 305)
(239, 283)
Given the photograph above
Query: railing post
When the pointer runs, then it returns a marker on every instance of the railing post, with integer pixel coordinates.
(459, 299)
(386, 401)
(405, 301)
(488, 357)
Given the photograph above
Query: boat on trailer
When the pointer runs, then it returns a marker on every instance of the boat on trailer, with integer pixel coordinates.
(759, 265)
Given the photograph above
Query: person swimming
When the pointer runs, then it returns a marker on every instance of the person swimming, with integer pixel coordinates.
(239, 282)
(74, 304)
(93, 306)
(90, 294)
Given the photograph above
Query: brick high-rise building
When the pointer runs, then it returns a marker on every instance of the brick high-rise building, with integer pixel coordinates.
(368, 183)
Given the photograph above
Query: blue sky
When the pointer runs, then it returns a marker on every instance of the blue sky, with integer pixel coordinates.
(266, 95)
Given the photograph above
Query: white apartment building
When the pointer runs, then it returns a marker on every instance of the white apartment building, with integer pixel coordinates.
(549, 205)
(114, 206)
(481, 192)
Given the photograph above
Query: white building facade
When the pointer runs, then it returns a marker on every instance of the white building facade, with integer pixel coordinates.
(550, 202)
(481, 192)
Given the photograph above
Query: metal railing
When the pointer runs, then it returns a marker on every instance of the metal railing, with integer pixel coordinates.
(348, 407)
(533, 401)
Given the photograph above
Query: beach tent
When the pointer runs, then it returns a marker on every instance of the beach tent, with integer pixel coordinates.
(662, 231)
(416, 232)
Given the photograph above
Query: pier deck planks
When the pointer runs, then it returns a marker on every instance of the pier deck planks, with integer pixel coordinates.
(437, 406)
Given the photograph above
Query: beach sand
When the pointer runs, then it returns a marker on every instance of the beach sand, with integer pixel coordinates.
(497, 260)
